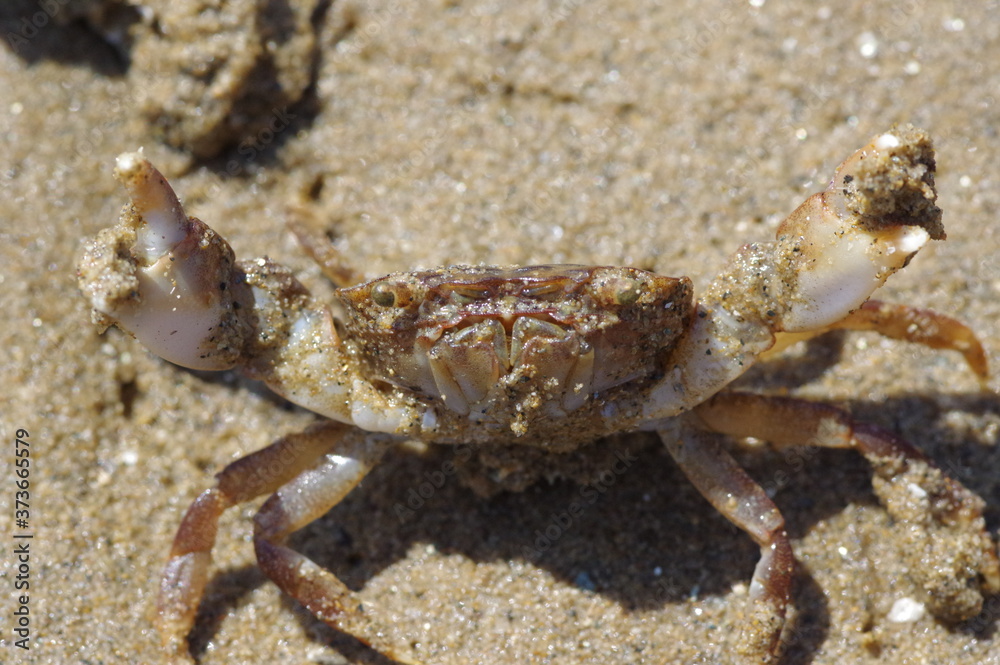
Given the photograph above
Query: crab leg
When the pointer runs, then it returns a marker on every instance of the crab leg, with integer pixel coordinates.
(301, 501)
(319, 248)
(951, 531)
(829, 256)
(912, 324)
(741, 500)
(262, 472)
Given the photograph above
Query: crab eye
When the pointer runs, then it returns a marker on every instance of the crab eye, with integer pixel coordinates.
(390, 294)
(628, 291)
(383, 295)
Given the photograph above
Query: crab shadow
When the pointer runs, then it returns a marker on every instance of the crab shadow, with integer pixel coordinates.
(228, 589)
(35, 33)
(647, 539)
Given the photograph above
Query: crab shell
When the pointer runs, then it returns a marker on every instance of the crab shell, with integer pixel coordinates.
(471, 335)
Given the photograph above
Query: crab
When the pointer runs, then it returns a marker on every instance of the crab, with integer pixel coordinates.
(544, 357)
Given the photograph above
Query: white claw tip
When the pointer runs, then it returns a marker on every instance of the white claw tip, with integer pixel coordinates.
(886, 141)
(163, 222)
(908, 239)
(129, 163)
(126, 162)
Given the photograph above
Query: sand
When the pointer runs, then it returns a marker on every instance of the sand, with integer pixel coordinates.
(616, 133)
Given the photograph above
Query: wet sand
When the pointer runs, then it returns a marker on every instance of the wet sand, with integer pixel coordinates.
(632, 134)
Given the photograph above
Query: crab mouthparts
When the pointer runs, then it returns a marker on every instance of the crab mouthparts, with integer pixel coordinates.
(505, 335)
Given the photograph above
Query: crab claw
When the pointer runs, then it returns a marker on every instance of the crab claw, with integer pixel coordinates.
(842, 244)
(828, 258)
(167, 279)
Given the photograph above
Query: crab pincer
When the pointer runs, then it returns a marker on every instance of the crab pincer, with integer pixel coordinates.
(166, 278)
(828, 257)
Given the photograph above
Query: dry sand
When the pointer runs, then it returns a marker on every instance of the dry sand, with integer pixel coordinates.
(660, 135)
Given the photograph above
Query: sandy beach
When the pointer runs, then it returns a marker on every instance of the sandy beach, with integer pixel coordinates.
(655, 135)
